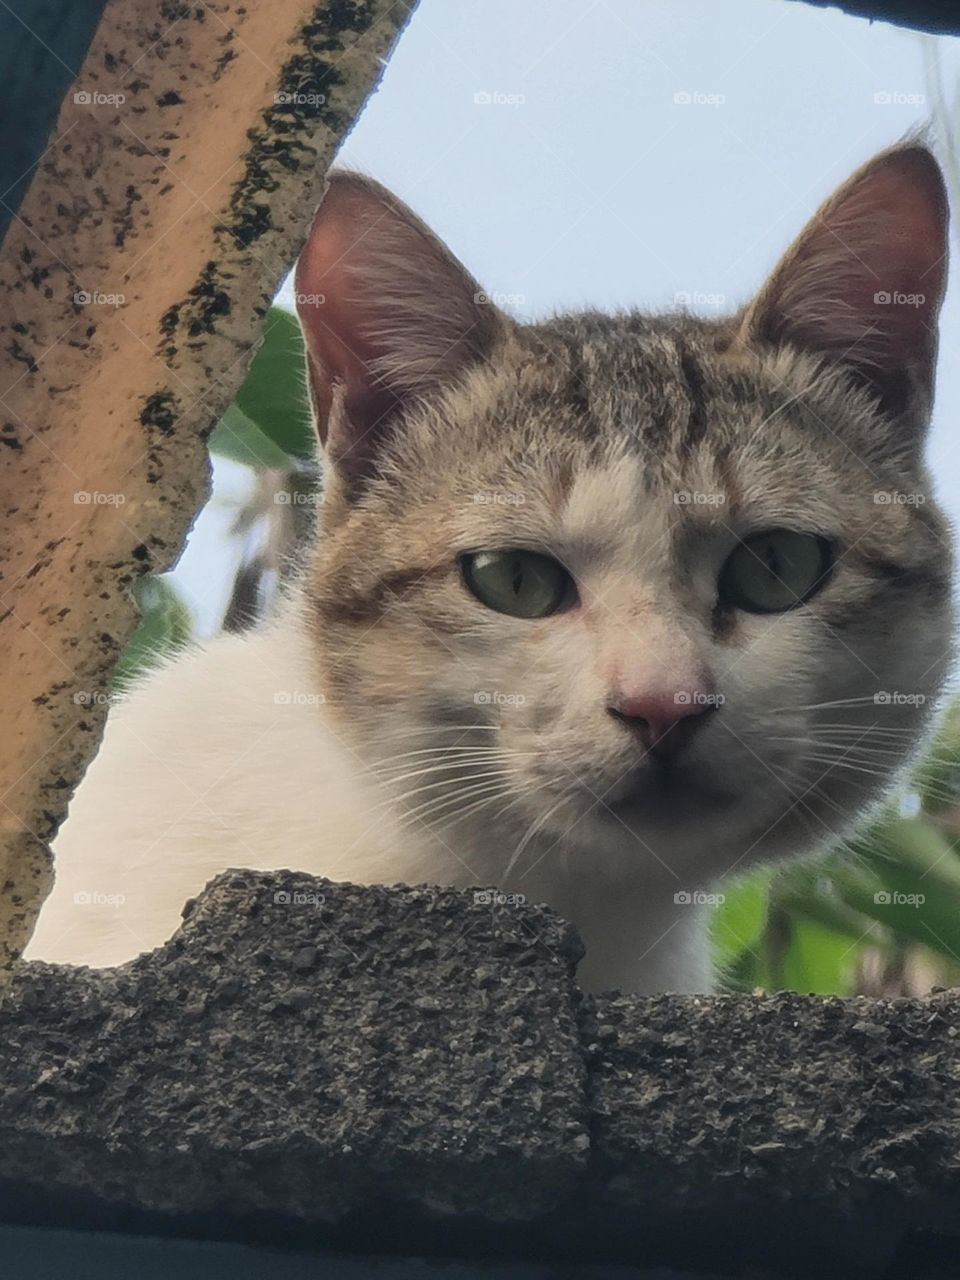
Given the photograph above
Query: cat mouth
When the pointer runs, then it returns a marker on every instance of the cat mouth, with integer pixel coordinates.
(662, 788)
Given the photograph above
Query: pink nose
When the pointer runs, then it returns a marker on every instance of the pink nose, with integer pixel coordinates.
(664, 722)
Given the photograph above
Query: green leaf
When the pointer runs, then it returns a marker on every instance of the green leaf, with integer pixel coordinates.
(896, 885)
(274, 394)
(818, 960)
(165, 627)
(736, 925)
(914, 858)
(742, 973)
(809, 891)
(911, 885)
(937, 777)
(909, 912)
(912, 843)
(239, 438)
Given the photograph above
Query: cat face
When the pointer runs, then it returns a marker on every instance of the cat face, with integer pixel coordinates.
(665, 594)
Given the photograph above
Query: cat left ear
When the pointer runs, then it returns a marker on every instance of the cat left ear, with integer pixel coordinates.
(862, 285)
(389, 316)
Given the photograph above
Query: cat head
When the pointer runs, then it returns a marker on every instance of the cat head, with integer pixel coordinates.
(668, 594)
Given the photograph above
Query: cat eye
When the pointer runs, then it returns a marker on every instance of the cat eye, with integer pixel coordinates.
(774, 571)
(520, 583)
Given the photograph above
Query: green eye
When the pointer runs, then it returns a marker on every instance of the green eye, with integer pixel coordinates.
(775, 571)
(521, 583)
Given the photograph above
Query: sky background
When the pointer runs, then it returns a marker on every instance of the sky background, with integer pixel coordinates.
(550, 145)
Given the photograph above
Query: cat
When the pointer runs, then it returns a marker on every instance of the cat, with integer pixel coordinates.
(601, 608)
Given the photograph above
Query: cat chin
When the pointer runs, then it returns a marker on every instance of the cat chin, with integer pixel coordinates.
(701, 834)
(655, 836)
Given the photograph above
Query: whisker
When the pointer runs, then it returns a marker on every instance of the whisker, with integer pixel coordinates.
(536, 826)
(437, 805)
(882, 750)
(391, 778)
(447, 782)
(445, 759)
(900, 731)
(438, 750)
(867, 698)
(479, 804)
(834, 762)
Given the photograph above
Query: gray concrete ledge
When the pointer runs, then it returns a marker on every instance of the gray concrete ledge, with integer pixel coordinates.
(409, 1069)
(936, 16)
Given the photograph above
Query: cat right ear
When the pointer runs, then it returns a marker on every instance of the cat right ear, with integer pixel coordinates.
(861, 286)
(389, 316)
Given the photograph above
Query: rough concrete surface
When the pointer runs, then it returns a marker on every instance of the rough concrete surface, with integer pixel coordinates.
(300, 1046)
(413, 1070)
(782, 1124)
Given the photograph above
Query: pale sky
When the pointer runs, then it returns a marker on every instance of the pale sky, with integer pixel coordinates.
(624, 152)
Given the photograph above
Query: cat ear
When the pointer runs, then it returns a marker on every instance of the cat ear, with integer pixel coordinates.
(863, 283)
(388, 313)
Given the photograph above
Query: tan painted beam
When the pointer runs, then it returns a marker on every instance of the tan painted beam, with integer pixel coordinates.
(176, 190)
